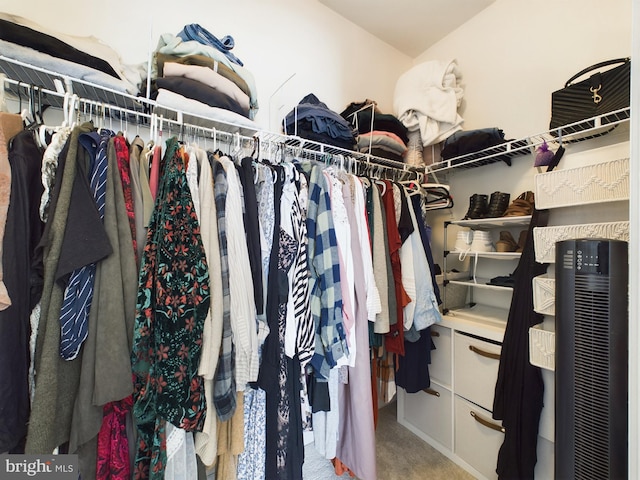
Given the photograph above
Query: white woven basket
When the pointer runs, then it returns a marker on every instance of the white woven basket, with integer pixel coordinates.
(545, 238)
(602, 182)
(542, 348)
(544, 294)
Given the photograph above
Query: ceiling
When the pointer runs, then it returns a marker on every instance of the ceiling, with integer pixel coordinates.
(410, 26)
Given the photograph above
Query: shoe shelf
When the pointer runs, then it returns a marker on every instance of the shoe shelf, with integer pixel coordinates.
(480, 271)
(480, 317)
(479, 283)
(496, 222)
(494, 255)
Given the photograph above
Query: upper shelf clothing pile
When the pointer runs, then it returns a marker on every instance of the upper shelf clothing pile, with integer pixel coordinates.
(313, 120)
(84, 58)
(379, 134)
(195, 72)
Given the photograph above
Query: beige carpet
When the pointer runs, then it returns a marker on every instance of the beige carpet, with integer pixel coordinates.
(401, 455)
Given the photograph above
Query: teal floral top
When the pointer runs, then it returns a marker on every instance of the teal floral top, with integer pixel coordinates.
(173, 300)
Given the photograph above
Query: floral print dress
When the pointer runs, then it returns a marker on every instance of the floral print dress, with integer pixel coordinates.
(173, 300)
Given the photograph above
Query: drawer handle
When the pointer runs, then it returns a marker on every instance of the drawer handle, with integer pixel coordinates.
(434, 333)
(487, 423)
(483, 353)
(431, 391)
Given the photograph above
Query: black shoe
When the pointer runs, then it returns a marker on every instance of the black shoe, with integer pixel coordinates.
(498, 204)
(478, 204)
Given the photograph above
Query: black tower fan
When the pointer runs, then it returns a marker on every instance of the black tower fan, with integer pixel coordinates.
(591, 359)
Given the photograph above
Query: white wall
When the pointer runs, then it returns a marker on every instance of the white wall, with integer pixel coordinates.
(515, 53)
(512, 56)
(275, 39)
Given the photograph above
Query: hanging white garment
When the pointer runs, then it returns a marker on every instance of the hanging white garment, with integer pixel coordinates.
(374, 305)
(181, 455)
(242, 303)
(192, 177)
(206, 442)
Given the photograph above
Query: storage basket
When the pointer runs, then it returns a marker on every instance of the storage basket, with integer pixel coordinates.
(544, 295)
(542, 348)
(545, 238)
(456, 295)
(602, 182)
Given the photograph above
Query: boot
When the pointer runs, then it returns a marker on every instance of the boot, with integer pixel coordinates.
(506, 243)
(477, 206)
(521, 206)
(497, 204)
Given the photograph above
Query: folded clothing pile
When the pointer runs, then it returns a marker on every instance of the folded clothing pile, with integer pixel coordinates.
(313, 120)
(464, 142)
(84, 58)
(196, 72)
(379, 134)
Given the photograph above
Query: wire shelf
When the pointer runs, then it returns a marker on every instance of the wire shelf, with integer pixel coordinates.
(574, 132)
(53, 86)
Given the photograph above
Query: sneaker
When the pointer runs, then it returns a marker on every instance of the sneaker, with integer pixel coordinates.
(482, 242)
(463, 241)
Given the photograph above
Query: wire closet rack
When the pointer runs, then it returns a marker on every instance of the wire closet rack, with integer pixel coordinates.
(54, 89)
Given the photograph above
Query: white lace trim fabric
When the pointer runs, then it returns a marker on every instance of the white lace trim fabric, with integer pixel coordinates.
(181, 455)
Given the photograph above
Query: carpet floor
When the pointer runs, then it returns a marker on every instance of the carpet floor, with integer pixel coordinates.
(400, 455)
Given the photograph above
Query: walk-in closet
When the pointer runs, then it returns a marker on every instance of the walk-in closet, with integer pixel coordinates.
(319, 239)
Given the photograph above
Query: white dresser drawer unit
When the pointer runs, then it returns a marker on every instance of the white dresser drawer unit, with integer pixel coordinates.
(477, 437)
(476, 363)
(430, 412)
(440, 367)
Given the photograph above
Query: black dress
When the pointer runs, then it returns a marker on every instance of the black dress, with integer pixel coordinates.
(22, 233)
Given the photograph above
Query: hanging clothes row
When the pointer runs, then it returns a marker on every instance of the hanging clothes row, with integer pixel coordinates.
(249, 295)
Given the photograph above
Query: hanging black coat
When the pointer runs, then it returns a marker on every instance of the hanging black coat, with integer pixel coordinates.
(519, 388)
(22, 233)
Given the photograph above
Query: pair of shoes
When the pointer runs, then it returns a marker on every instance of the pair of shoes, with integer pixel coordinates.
(473, 241)
(506, 243)
(482, 242)
(521, 206)
(481, 206)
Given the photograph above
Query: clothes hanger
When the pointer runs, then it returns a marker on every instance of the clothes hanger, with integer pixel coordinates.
(413, 186)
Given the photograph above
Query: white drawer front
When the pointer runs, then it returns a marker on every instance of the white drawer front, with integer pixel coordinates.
(476, 365)
(440, 368)
(478, 439)
(430, 413)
